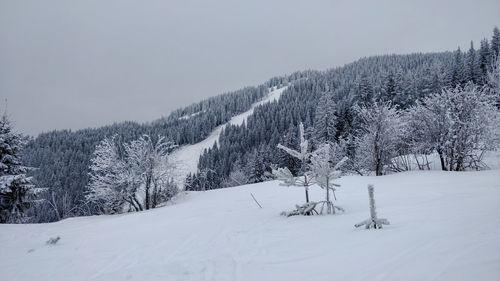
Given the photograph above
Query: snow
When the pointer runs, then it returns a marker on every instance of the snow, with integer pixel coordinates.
(444, 226)
(186, 117)
(187, 156)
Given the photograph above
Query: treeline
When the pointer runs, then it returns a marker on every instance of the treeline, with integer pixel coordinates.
(248, 153)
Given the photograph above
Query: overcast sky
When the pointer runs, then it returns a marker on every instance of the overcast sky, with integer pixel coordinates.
(77, 64)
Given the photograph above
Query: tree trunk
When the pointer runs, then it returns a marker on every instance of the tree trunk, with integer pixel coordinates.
(441, 158)
(378, 168)
(148, 186)
(137, 202)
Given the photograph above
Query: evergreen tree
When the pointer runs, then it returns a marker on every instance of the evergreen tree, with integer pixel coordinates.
(325, 120)
(457, 75)
(285, 159)
(256, 168)
(16, 189)
(389, 90)
(471, 64)
(484, 60)
(364, 90)
(495, 42)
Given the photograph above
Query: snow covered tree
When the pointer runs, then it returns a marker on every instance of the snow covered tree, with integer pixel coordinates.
(325, 173)
(236, 177)
(373, 221)
(143, 171)
(484, 60)
(389, 90)
(325, 120)
(17, 193)
(256, 168)
(109, 186)
(289, 139)
(495, 42)
(303, 155)
(472, 65)
(380, 131)
(364, 90)
(459, 124)
(148, 161)
(457, 74)
(494, 81)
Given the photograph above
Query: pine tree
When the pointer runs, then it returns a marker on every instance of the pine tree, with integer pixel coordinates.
(389, 90)
(471, 64)
(484, 60)
(256, 168)
(17, 193)
(495, 42)
(364, 90)
(285, 159)
(457, 75)
(325, 120)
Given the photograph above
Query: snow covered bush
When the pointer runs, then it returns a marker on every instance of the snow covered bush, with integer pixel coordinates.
(459, 124)
(120, 181)
(373, 221)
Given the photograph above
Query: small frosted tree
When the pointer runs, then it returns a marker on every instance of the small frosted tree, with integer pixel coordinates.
(373, 221)
(303, 155)
(325, 173)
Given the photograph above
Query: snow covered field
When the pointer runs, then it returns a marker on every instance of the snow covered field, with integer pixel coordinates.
(186, 157)
(444, 226)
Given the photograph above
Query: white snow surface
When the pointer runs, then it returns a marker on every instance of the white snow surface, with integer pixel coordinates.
(186, 157)
(444, 226)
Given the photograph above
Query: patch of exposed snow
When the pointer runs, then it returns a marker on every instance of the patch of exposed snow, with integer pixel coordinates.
(186, 117)
(187, 156)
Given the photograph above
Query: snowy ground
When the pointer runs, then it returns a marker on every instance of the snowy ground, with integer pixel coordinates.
(444, 226)
(186, 157)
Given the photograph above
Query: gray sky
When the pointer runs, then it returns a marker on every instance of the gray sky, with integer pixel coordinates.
(77, 64)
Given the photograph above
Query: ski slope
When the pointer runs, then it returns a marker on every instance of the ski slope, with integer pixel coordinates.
(444, 226)
(186, 157)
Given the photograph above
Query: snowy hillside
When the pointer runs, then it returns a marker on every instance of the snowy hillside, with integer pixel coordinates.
(186, 157)
(444, 226)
